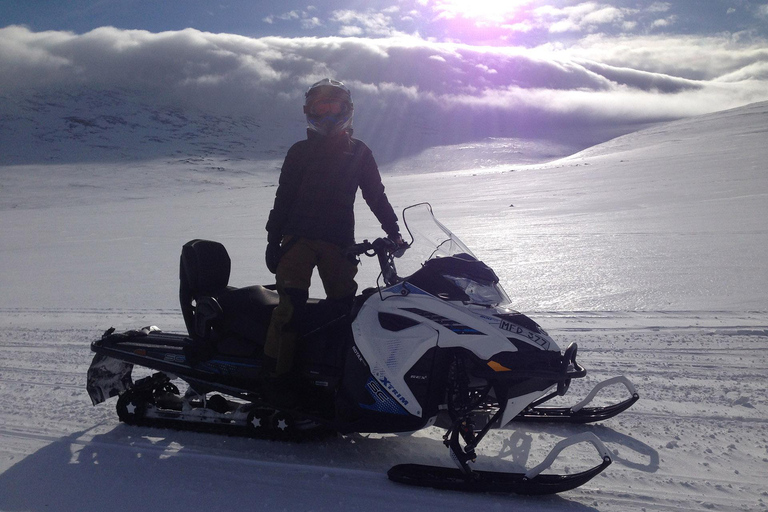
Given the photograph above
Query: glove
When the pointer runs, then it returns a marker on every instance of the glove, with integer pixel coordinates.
(401, 244)
(273, 256)
(398, 239)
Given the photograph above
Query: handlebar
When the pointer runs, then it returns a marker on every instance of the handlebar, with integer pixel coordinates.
(386, 250)
(378, 246)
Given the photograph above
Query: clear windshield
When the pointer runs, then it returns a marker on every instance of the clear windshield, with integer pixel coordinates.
(469, 280)
(430, 240)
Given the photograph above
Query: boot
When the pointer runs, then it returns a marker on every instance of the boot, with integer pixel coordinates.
(277, 390)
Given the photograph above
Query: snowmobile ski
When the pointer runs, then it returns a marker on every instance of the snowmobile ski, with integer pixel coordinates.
(531, 482)
(579, 413)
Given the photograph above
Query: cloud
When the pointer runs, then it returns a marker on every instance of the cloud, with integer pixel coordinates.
(409, 93)
(664, 22)
(306, 18)
(659, 7)
(347, 22)
(694, 57)
(482, 11)
(532, 22)
(528, 16)
(291, 15)
(584, 17)
(369, 23)
(486, 22)
(310, 23)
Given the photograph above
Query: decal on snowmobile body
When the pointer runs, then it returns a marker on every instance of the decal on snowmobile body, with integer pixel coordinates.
(391, 355)
(486, 343)
(223, 367)
(383, 402)
(175, 358)
(461, 321)
(401, 290)
(452, 325)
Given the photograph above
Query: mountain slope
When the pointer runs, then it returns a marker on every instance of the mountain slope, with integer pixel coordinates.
(122, 125)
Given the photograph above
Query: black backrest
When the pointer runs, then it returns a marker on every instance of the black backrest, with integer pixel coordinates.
(203, 271)
(205, 265)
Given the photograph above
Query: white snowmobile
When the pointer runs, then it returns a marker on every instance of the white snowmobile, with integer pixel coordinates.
(434, 344)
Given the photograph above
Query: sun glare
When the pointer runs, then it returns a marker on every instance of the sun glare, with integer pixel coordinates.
(495, 11)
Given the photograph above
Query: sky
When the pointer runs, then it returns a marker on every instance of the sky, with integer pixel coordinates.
(494, 22)
(422, 72)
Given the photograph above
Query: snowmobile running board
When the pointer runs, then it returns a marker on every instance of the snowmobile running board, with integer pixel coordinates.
(531, 482)
(579, 413)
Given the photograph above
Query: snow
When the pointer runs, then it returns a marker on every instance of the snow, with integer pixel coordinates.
(648, 251)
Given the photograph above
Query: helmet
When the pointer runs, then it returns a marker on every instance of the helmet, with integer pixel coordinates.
(328, 106)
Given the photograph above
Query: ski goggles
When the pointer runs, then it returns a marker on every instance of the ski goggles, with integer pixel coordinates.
(328, 106)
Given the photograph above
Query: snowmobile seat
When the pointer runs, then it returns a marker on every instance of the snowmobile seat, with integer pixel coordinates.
(203, 271)
(218, 317)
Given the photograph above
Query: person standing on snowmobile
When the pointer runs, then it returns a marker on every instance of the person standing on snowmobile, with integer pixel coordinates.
(312, 221)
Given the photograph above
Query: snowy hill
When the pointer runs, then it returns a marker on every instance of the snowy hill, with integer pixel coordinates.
(671, 217)
(648, 250)
(125, 126)
(120, 125)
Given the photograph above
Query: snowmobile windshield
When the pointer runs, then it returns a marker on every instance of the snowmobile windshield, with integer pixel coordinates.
(439, 263)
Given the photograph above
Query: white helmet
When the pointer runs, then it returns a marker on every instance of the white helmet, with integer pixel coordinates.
(328, 106)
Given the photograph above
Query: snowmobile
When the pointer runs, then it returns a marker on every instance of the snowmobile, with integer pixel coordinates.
(435, 343)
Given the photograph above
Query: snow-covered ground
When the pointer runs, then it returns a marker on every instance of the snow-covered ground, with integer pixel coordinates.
(649, 251)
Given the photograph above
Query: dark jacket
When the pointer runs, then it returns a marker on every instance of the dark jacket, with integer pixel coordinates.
(316, 194)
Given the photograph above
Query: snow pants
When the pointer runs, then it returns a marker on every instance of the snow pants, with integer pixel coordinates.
(294, 275)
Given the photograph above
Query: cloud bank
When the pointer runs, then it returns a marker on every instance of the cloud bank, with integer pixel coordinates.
(528, 22)
(409, 93)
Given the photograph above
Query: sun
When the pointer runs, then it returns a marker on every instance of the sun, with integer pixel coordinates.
(492, 11)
